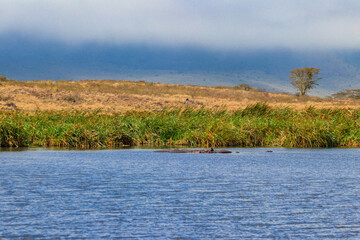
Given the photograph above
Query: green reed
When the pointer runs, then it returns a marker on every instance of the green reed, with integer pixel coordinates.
(257, 125)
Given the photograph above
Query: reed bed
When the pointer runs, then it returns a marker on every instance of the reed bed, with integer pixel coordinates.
(257, 125)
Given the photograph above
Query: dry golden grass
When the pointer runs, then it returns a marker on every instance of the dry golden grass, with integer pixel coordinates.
(110, 95)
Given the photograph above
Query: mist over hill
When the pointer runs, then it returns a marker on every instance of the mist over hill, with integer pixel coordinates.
(32, 59)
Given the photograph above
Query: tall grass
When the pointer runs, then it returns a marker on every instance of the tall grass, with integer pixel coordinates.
(255, 126)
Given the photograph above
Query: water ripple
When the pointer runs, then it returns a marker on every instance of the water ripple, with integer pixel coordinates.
(291, 194)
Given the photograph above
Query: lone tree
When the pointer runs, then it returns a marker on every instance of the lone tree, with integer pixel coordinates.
(304, 79)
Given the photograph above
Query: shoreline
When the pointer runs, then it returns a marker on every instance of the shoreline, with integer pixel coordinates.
(235, 149)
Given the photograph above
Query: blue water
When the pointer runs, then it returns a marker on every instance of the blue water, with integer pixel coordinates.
(289, 193)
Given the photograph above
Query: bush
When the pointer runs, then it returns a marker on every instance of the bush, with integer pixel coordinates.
(245, 87)
(348, 93)
(2, 78)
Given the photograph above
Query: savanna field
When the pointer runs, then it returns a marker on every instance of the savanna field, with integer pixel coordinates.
(110, 114)
(121, 96)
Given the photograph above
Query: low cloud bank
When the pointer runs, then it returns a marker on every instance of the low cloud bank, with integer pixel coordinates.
(211, 24)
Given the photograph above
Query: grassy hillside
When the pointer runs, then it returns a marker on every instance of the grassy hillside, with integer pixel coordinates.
(109, 95)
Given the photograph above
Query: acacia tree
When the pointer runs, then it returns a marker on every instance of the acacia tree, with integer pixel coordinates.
(304, 79)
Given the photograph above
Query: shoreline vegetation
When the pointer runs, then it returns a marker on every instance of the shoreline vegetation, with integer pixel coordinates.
(257, 125)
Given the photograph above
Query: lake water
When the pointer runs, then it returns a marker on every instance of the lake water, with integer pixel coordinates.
(289, 193)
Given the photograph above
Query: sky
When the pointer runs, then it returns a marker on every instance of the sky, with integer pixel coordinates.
(173, 40)
(213, 24)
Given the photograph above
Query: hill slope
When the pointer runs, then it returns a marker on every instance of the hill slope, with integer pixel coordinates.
(111, 95)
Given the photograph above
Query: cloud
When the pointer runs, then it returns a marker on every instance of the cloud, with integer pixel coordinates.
(211, 24)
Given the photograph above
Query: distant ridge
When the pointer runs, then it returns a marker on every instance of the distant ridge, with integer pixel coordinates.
(31, 59)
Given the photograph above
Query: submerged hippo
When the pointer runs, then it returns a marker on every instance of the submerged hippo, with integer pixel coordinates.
(205, 150)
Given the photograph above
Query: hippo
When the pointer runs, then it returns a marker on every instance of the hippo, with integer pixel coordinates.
(205, 150)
